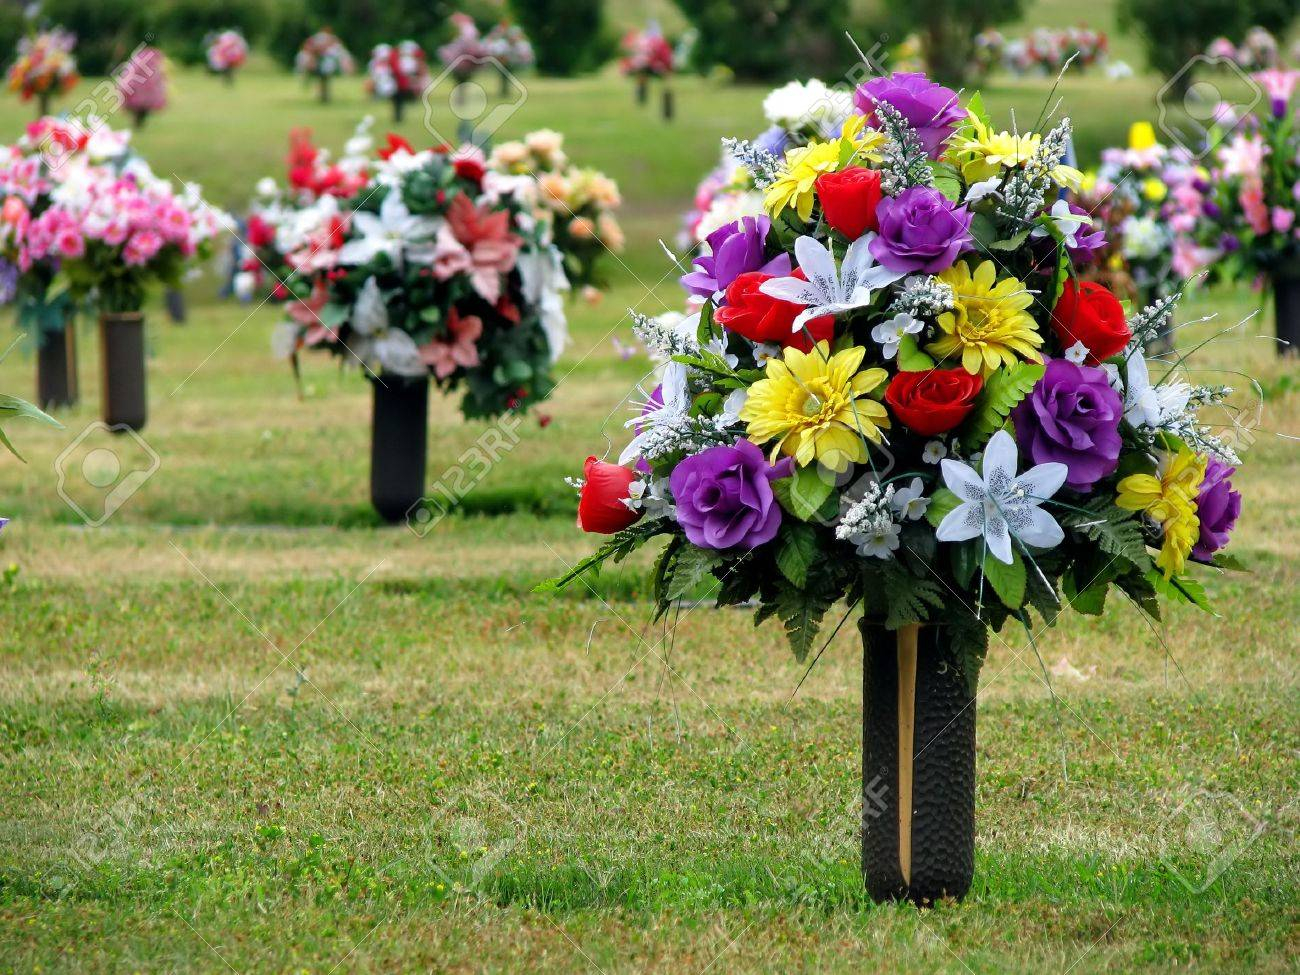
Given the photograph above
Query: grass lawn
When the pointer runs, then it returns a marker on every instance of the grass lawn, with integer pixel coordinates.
(244, 727)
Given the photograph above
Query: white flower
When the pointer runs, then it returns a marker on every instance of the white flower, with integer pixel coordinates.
(386, 232)
(881, 542)
(828, 291)
(907, 501)
(1077, 353)
(985, 187)
(764, 351)
(266, 186)
(934, 452)
(284, 339)
(733, 404)
(541, 271)
(999, 505)
(890, 333)
(393, 350)
(1068, 223)
(1151, 406)
(1143, 237)
(811, 103)
(243, 284)
(726, 208)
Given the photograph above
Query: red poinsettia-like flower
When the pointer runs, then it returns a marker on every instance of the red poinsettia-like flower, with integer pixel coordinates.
(458, 349)
(476, 240)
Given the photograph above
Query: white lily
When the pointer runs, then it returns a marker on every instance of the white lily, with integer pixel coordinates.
(1151, 406)
(999, 505)
(375, 341)
(890, 333)
(829, 291)
(387, 232)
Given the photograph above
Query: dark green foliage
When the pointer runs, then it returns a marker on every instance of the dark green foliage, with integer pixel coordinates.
(107, 30)
(569, 36)
(183, 25)
(947, 29)
(771, 40)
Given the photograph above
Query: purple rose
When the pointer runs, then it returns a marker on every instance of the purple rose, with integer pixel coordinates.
(724, 496)
(929, 107)
(920, 230)
(1218, 507)
(734, 249)
(1071, 417)
(1087, 243)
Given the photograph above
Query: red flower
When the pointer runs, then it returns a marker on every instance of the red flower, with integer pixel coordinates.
(1088, 313)
(933, 401)
(395, 145)
(849, 200)
(762, 318)
(260, 233)
(600, 505)
(470, 169)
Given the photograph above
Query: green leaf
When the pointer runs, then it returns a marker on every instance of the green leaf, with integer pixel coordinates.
(1222, 560)
(1012, 243)
(1091, 601)
(690, 567)
(910, 356)
(804, 494)
(1008, 581)
(797, 552)
(947, 182)
(970, 645)
(1180, 587)
(801, 612)
(12, 406)
(1002, 391)
(975, 106)
(1116, 532)
(965, 560)
(941, 503)
(907, 596)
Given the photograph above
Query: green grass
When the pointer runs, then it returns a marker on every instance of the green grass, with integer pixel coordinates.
(244, 727)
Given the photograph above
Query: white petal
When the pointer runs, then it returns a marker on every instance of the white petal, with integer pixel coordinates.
(1000, 458)
(817, 263)
(369, 313)
(366, 223)
(857, 259)
(963, 481)
(1043, 481)
(1042, 532)
(393, 212)
(396, 352)
(966, 521)
(998, 536)
(791, 289)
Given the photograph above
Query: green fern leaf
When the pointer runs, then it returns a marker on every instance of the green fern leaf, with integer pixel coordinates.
(1002, 391)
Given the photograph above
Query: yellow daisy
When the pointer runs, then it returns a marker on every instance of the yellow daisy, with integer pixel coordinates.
(989, 324)
(982, 153)
(1169, 498)
(815, 405)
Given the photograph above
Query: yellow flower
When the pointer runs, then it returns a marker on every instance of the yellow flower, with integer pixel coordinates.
(803, 164)
(1154, 190)
(1169, 498)
(988, 325)
(1141, 136)
(981, 153)
(815, 406)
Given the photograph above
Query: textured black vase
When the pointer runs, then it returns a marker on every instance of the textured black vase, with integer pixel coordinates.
(1286, 295)
(398, 445)
(56, 368)
(122, 376)
(918, 767)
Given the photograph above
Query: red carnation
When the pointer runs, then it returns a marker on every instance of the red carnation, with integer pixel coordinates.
(1087, 312)
(849, 200)
(762, 318)
(600, 504)
(933, 401)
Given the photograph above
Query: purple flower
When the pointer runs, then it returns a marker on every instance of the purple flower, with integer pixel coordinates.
(1086, 245)
(1071, 417)
(920, 230)
(734, 249)
(1218, 507)
(724, 496)
(929, 107)
(774, 140)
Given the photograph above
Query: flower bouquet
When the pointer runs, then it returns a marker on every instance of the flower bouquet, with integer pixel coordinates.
(1247, 202)
(142, 84)
(648, 55)
(322, 56)
(465, 53)
(1257, 52)
(1045, 51)
(434, 267)
(898, 393)
(577, 204)
(44, 68)
(50, 153)
(227, 52)
(398, 73)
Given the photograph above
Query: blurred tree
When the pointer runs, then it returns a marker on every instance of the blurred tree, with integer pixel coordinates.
(568, 36)
(770, 40)
(13, 25)
(947, 29)
(360, 24)
(183, 24)
(107, 30)
(1172, 38)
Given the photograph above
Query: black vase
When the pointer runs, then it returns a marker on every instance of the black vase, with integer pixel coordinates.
(1286, 296)
(668, 107)
(122, 373)
(56, 368)
(398, 445)
(918, 767)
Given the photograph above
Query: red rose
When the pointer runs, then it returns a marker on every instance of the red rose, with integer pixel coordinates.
(259, 232)
(762, 318)
(933, 401)
(600, 504)
(1088, 313)
(849, 200)
(395, 144)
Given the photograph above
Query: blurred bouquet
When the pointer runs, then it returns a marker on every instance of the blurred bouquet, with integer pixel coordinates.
(398, 73)
(323, 56)
(83, 214)
(1258, 50)
(509, 45)
(648, 54)
(227, 51)
(44, 67)
(416, 263)
(464, 54)
(142, 83)
(1044, 51)
(895, 390)
(576, 204)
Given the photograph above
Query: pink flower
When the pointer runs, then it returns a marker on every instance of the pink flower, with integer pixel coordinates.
(143, 246)
(307, 314)
(1251, 199)
(1244, 156)
(458, 350)
(1277, 83)
(485, 235)
(1283, 219)
(70, 242)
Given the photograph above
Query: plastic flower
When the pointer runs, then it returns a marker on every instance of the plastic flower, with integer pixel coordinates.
(890, 332)
(386, 232)
(1151, 406)
(794, 187)
(989, 324)
(1169, 497)
(393, 350)
(981, 153)
(459, 349)
(826, 290)
(998, 505)
(816, 406)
